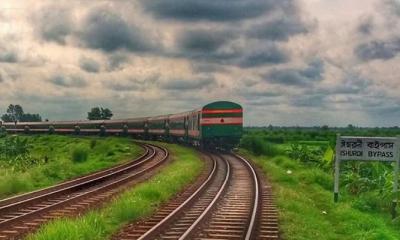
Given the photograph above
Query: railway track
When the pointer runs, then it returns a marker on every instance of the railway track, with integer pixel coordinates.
(22, 214)
(230, 203)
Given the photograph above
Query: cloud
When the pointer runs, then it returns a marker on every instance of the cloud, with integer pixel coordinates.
(132, 84)
(203, 67)
(259, 93)
(279, 29)
(207, 45)
(106, 30)
(116, 61)
(217, 10)
(89, 65)
(124, 86)
(352, 84)
(316, 100)
(297, 77)
(270, 54)
(54, 23)
(393, 6)
(187, 84)
(72, 81)
(366, 26)
(202, 41)
(8, 56)
(378, 49)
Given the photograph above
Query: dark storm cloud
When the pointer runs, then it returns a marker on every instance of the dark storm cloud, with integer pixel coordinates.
(366, 26)
(213, 46)
(68, 81)
(89, 65)
(264, 56)
(216, 10)
(189, 84)
(280, 29)
(297, 77)
(378, 49)
(8, 56)
(106, 30)
(202, 40)
(53, 23)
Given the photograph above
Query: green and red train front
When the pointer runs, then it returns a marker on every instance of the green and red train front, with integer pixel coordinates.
(221, 124)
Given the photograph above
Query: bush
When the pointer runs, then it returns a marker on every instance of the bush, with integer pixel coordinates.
(80, 154)
(304, 154)
(258, 146)
(93, 143)
(3, 131)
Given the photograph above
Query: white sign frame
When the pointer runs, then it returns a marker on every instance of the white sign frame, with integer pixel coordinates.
(381, 149)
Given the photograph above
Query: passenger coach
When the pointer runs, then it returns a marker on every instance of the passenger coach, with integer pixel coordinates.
(218, 124)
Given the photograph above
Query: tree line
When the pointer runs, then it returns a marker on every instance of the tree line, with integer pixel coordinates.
(15, 113)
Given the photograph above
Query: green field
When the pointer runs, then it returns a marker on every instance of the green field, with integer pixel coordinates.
(138, 202)
(299, 167)
(43, 160)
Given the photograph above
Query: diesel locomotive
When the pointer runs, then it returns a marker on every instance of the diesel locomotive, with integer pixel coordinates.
(218, 124)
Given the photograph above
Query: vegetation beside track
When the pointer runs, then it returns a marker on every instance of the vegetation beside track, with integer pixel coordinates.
(139, 202)
(299, 167)
(32, 162)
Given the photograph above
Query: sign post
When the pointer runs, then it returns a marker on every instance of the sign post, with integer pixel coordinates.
(382, 149)
(337, 171)
(395, 188)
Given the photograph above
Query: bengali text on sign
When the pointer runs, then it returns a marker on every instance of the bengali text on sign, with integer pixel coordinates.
(363, 148)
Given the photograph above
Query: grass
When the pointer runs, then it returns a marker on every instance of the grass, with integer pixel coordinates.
(307, 212)
(62, 158)
(138, 202)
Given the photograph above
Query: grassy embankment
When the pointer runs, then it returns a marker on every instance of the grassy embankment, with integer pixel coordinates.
(138, 202)
(32, 162)
(303, 191)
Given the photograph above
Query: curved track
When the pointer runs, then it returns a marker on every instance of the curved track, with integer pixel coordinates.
(26, 212)
(226, 205)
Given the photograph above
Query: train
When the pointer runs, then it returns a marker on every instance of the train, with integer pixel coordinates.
(215, 125)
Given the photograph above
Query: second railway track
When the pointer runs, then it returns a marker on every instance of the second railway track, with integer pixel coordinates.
(230, 203)
(24, 213)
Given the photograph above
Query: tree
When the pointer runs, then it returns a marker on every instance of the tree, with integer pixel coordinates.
(7, 118)
(106, 113)
(28, 117)
(99, 113)
(16, 113)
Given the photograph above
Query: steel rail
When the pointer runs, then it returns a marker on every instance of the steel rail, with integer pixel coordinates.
(256, 203)
(40, 192)
(118, 182)
(154, 230)
(211, 205)
(104, 176)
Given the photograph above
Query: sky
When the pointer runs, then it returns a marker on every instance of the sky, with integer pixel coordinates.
(287, 62)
